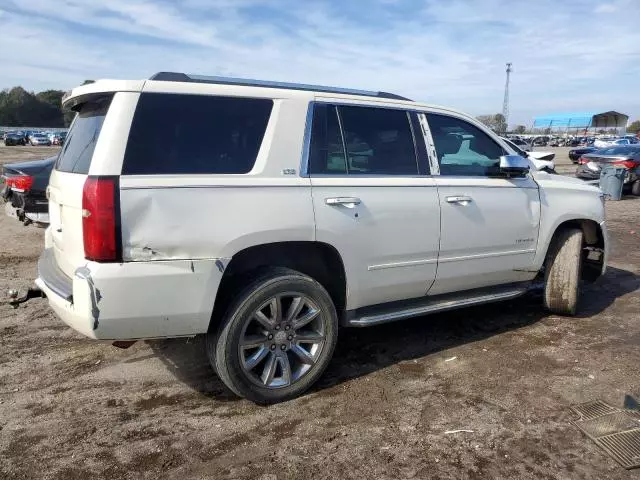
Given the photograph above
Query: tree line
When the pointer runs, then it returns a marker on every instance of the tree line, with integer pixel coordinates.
(20, 108)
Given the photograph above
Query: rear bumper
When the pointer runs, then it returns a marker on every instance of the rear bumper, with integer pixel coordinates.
(134, 300)
(20, 205)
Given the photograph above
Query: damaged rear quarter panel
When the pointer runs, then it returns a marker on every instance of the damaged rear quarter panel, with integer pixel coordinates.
(169, 218)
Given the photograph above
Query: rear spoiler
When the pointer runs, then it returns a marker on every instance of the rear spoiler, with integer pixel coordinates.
(79, 95)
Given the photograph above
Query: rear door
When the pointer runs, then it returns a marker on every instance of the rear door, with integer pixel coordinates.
(374, 200)
(67, 181)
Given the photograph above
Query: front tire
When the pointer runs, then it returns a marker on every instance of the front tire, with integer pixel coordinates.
(635, 188)
(276, 338)
(562, 274)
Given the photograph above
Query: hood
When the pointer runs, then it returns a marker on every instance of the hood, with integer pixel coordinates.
(568, 182)
(31, 167)
(541, 164)
(542, 155)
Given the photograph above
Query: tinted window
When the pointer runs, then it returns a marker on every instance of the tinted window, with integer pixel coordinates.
(462, 148)
(378, 141)
(76, 154)
(195, 134)
(326, 153)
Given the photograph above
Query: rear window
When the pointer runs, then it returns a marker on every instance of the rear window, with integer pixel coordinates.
(195, 134)
(80, 143)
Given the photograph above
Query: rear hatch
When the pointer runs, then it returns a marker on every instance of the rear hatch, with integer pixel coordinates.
(67, 182)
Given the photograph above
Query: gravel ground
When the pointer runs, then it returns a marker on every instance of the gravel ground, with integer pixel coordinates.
(74, 408)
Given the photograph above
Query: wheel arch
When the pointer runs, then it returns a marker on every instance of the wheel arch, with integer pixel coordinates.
(594, 245)
(321, 261)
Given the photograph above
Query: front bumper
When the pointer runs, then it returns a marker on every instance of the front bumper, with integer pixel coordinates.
(132, 300)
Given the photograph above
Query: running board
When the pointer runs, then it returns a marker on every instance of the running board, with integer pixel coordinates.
(385, 313)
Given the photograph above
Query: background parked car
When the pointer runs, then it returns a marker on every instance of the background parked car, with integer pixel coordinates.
(24, 191)
(602, 143)
(12, 138)
(521, 144)
(540, 141)
(39, 139)
(576, 153)
(628, 157)
(59, 138)
(545, 164)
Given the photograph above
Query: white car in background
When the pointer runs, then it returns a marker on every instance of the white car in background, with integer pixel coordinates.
(611, 142)
(39, 139)
(542, 161)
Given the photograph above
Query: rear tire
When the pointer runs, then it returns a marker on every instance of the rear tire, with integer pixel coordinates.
(562, 274)
(266, 348)
(635, 188)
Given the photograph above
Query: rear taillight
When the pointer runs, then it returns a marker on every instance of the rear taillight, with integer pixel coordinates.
(583, 161)
(101, 219)
(21, 183)
(630, 164)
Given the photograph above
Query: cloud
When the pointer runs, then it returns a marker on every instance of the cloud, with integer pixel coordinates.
(450, 53)
(605, 8)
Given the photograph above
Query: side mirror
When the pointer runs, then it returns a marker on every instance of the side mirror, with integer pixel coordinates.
(514, 165)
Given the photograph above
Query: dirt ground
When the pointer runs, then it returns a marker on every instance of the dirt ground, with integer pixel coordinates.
(72, 408)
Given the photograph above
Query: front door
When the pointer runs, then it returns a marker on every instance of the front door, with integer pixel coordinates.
(489, 229)
(374, 202)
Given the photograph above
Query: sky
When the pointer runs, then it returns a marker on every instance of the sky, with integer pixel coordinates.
(567, 55)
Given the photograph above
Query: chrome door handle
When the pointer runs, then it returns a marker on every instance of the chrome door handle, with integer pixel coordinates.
(349, 202)
(460, 199)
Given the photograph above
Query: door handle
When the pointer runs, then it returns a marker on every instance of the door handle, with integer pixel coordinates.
(460, 199)
(349, 202)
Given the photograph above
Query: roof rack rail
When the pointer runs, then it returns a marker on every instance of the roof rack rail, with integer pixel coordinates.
(183, 77)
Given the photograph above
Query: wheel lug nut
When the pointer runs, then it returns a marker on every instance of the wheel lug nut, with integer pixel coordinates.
(287, 327)
(290, 337)
(283, 348)
(270, 337)
(273, 346)
(277, 327)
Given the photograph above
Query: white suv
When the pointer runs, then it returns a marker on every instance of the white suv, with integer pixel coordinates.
(267, 215)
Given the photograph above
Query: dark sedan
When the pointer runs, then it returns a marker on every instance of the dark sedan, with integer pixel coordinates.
(13, 139)
(24, 191)
(576, 153)
(627, 157)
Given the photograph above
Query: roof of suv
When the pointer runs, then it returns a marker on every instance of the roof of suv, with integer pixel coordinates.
(183, 77)
(176, 82)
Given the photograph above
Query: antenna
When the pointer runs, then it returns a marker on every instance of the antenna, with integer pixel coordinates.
(505, 103)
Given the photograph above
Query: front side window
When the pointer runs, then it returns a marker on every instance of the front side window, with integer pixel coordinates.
(195, 134)
(373, 141)
(462, 148)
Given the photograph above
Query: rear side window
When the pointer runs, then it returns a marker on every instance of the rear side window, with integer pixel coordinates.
(373, 141)
(195, 134)
(76, 154)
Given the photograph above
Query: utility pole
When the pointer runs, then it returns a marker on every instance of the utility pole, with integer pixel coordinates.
(505, 104)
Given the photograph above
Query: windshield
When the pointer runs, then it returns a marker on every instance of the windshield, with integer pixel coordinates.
(76, 154)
